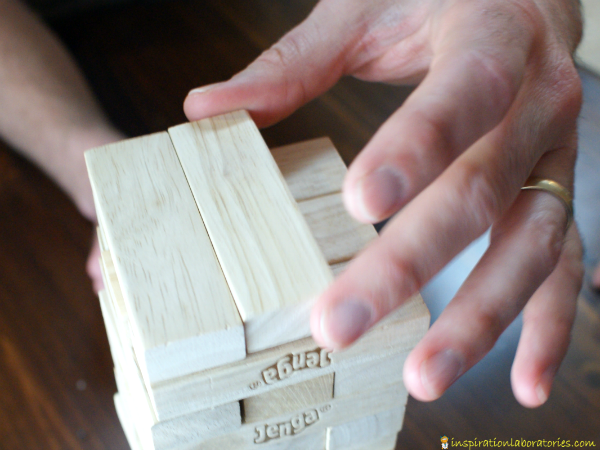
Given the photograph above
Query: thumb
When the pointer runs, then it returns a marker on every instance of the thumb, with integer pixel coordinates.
(305, 63)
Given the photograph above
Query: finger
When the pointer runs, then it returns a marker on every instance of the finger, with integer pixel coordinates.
(523, 251)
(547, 322)
(305, 63)
(474, 77)
(455, 209)
(446, 216)
(93, 266)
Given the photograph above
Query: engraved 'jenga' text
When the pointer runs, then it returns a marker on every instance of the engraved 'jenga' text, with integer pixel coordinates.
(297, 424)
(286, 366)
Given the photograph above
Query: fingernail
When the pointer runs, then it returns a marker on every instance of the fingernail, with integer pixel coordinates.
(345, 322)
(441, 370)
(542, 390)
(202, 89)
(380, 193)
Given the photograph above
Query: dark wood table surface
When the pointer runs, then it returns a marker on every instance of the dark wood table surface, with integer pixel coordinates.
(56, 379)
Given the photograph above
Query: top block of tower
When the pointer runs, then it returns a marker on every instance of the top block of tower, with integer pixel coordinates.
(213, 256)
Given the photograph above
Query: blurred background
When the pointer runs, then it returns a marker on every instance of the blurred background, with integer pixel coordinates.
(56, 380)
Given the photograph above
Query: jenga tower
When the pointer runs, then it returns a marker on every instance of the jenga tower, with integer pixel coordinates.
(212, 249)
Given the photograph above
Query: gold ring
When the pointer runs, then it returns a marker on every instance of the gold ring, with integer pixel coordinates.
(554, 188)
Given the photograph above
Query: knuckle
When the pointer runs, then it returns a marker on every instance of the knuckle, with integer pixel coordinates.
(490, 327)
(498, 73)
(566, 83)
(481, 203)
(280, 65)
(402, 277)
(546, 229)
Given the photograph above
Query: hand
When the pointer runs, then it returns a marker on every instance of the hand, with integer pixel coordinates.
(497, 102)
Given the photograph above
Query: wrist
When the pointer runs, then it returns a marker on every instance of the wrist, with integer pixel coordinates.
(71, 173)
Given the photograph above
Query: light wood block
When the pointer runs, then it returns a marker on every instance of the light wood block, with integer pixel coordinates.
(338, 268)
(311, 168)
(165, 263)
(111, 282)
(125, 417)
(288, 399)
(305, 429)
(101, 239)
(339, 235)
(169, 434)
(271, 261)
(351, 379)
(397, 333)
(200, 410)
(232, 382)
(367, 432)
(289, 427)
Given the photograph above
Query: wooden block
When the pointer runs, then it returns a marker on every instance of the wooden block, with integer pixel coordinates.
(196, 428)
(338, 268)
(101, 239)
(181, 311)
(111, 282)
(264, 371)
(167, 434)
(353, 378)
(319, 417)
(236, 381)
(288, 399)
(185, 431)
(271, 261)
(365, 432)
(339, 236)
(125, 417)
(311, 168)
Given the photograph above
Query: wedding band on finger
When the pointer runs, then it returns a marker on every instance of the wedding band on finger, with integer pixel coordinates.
(554, 188)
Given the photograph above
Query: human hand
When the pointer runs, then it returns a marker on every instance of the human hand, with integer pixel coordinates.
(497, 102)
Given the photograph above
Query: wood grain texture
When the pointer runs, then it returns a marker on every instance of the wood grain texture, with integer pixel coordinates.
(311, 168)
(131, 392)
(154, 434)
(339, 236)
(285, 400)
(397, 333)
(271, 261)
(367, 432)
(311, 420)
(168, 272)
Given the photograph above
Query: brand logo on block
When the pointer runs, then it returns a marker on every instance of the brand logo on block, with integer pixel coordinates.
(286, 366)
(297, 424)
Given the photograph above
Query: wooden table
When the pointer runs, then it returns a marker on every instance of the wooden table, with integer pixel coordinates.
(56, 380)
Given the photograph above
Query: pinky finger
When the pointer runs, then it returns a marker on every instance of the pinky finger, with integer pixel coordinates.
(547, 321)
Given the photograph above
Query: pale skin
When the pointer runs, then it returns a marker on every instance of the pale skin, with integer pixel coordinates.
(497, 101)
(48, 111)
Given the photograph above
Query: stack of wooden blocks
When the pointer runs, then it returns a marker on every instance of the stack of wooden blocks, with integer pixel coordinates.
(212, 249)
